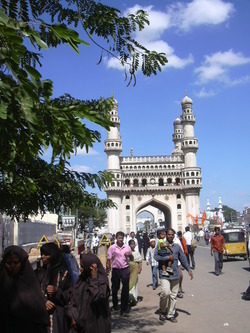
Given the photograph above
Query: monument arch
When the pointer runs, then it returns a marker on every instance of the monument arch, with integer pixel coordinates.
(171, 183)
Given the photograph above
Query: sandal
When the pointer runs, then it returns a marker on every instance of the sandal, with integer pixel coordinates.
(172, 319)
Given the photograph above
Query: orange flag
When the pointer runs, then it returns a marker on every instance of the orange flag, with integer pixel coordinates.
(204, 217)
(191, 216)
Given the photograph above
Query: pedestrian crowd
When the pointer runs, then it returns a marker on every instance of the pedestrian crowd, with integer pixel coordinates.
(62, 296)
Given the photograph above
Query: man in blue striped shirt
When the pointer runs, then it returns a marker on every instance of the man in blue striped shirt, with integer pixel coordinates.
(170, 284)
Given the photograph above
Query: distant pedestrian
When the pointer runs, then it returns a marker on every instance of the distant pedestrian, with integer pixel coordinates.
(113, 239)
(135, 268)
(206, 236)
(88, 244)
(153, 263)
(118, 255)
(95, 243)
(217, 248)
(139, 240)
(22, 306)
(71, 262)
(145, 244)
(88, 307)
(188, 238)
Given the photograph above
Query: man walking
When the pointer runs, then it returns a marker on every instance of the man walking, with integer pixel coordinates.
(170, 284)
(118, 254)
(95, 243)
(188, 238)
(217, 247)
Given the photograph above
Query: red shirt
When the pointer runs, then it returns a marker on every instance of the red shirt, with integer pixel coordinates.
(217, 243)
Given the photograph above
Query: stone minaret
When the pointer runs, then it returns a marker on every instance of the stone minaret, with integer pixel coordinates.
(191, 174)
(113, 149)
(177, 137)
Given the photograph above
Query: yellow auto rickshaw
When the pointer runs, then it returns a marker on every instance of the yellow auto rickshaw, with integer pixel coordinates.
(235, 242)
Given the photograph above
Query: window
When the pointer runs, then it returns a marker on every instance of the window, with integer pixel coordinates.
(161, 182)
(179, 206)
(127, 197)
(127, 218)
(127, 207)
(169, 181)
(127, 182)
(178, 196)
(135, 182)
(144, 182)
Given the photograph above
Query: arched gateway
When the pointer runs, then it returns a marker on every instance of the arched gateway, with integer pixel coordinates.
(169, 183)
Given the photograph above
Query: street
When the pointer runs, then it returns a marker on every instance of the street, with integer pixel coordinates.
(210, 303)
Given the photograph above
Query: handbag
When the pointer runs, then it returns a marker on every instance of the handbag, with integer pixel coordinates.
(193, 244)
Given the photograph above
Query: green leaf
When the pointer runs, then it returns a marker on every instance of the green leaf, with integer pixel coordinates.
(34, 74)
(3, 111)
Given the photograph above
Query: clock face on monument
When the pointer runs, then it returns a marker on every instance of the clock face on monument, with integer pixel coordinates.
(152, 181)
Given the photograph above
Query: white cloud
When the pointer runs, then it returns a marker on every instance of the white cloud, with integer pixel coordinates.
(159, 22)
(200, 12)
(181, 16)
(176, 62)
(239, 81)
(228, 58)
(113, 63)
(216, 67)
(81, 168)
(150, 37)
(205, 93)
(83, 151)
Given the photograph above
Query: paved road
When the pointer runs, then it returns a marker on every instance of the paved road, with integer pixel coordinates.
(210, 303)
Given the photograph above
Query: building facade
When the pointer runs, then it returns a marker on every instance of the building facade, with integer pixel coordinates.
(171, 183)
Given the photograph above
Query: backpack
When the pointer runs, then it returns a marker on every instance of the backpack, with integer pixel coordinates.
(73, 266)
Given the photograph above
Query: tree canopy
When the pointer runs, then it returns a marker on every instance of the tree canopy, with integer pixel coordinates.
(32, 119)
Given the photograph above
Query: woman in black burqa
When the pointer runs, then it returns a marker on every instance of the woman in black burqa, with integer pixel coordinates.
(89, 309)
(56, 284)
(22, 306)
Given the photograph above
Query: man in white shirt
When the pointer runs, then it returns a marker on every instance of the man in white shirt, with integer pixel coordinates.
(188, 238)
(95, 243)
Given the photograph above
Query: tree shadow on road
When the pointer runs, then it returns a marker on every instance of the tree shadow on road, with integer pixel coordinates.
(141, 319)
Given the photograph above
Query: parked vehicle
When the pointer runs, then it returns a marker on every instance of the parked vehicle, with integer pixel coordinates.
(235, 242)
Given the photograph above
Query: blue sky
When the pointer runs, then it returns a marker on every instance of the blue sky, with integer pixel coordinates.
(207, 46)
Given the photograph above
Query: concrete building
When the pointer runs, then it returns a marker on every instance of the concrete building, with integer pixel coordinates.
(170, 183)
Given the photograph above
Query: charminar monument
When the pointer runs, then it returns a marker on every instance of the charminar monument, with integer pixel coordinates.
(169, 184)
